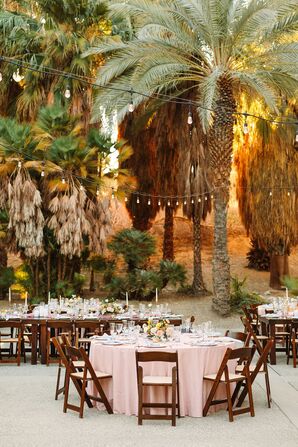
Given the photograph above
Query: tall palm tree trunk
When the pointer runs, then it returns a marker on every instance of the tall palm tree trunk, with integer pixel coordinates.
(168, 238)
(3, 265)
(279, 267)
(221, 147)
(198, 286)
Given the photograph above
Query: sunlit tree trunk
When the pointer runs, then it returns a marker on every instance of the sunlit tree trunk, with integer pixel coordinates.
(279, 267)
(198, 286)
(168, 238)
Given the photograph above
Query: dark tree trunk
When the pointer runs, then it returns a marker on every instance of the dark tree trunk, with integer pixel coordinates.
(36, 287)
(168, 238)
(59, 267)
(198, 286)
(92, 281)
(48, 272)
(279, 267)
(3, 265)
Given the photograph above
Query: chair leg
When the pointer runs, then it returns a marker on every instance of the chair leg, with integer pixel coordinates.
(210, 398)
(67, 379)
(230, 405)
(58, 381)
(174, 404)
(268, 391)
(294, 352)
(140, 409)
(83, 398)
(178, 400)
(250, 398)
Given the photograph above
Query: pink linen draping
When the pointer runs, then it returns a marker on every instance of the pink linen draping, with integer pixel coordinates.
(194, 362)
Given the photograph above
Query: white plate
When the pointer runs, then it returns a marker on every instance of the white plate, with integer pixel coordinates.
(112, 343)
(153, 345)
(206, 343)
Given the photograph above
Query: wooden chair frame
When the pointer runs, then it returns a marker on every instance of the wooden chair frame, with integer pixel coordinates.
(153, 356)
(293, 343)
(11, 340)
(59, 327)
(80, 354)
(243, 355)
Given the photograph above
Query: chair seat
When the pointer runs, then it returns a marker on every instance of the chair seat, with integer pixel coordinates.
(79, 364)
(9, 340)
(232, 377)
(239, 368)
(262, 337)
(157, 380)
(281, 333)
(99, 375)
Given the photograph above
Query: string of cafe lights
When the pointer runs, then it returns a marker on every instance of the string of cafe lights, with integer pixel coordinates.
(169, 200)
(141, 197)
(131, 106)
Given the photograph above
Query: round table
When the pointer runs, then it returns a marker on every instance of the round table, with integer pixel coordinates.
(193, 362)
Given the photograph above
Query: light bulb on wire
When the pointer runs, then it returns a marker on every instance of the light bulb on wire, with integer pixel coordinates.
(185, 202)
(177, 202)
(67, 92)
(19, 164)
(189, 117)
(159, 202)
(138, 200)
(1, 77)
(63, 180)
(16, 76)
(169, 203)
(125, 199)
(131, 106)
(113, 194)
(149, 202)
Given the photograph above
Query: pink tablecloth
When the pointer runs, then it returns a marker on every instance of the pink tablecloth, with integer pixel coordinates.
(194, 362)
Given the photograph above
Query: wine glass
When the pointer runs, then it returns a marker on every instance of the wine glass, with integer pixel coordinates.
(112, 329)
(119, 327)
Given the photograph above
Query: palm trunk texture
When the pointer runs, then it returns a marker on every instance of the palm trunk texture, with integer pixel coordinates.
(221, 147)
(198, 286)
(168, 238)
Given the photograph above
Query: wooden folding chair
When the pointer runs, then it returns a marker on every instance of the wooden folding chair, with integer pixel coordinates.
(223, 376)
(14, 338)
(87, 375)
(166, 381)
(261, 367)
(71, 366)
(55, 329)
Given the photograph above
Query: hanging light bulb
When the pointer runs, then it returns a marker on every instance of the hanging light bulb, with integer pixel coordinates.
(43, 21)
(169, 203)
(270, 193)
(1, 77)
(17, 77)
(97, 191)
(81, 187)
(67, 92)
(185, 202)
(199, 199)
(113, 194)
(212, 196)
(289, 193)
(149, 202)
(131, 106)
(177, 202)
(138, 200)
(63, 180)
(296, 139)
(192, 201)
(245, 125)
(189, 117)
(19, 164)
(159, 202)
(42, 173)
(125, 199)
(206, 198)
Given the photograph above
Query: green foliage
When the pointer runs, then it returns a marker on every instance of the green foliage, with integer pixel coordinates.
(135, 246)
(242, 297)
(68, 288)
(7, 277)
(23, 280)
(258, 258)
(171, 272)
(291, 284)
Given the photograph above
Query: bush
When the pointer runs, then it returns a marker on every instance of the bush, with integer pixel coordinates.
(291, 284)
(241, 297)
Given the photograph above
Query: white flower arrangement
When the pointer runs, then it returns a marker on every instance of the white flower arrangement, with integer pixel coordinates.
(110, 308)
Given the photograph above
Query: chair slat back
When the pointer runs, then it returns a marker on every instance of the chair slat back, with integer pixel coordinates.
(156, 356)
(241, 336)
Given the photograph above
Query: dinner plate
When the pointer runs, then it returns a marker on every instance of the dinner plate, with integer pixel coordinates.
(112, 343)
(206, 343)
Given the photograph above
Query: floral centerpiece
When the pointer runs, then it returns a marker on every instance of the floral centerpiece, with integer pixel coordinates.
(160, 331)
(108, 307)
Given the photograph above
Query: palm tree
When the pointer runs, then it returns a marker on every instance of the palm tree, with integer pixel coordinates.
(222, 48)
(267, 185)
(53, 34)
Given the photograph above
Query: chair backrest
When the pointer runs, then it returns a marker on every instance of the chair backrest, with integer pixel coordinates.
(60, 346)
(11, 324)
(60, 324)
(80, 354)
(241, 336)
(156, 356)
(242, 355)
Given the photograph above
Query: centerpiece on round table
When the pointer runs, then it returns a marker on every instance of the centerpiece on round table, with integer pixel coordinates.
(110, 307)
(159, 331)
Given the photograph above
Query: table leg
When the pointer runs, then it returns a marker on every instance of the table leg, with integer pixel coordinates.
(273, 349)
(43, 344)
(34, 329)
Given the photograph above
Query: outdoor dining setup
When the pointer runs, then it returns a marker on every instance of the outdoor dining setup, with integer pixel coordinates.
(145, 360)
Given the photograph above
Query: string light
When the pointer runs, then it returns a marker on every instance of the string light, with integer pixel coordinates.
(169, 203)
(16, 76)
(206, 198)
(131, 106)
(212, 196)
(149, 202)
(97, 191)
(289, 193)
(245, 125)
(138, 200)
(177, 203)
(270, 193)
(113, 194)
(43, 21)
(81, 187)
(19, 164)
(159, 202)
(199, 199)
(189, 118)
(296, 139)
(63, 180)
(185, 202)
(67, 92)
(192, 200)
(1, 77)
(125, 199)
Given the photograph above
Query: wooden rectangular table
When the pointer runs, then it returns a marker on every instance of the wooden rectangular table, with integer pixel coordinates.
(268, 328)
(39, 330)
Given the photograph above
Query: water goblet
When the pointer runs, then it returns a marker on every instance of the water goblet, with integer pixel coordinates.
(112, 329)
(119, 327)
